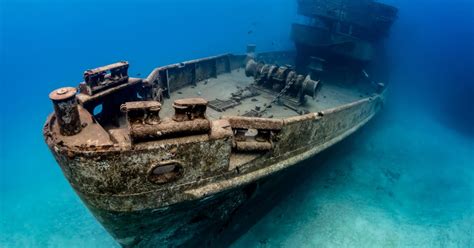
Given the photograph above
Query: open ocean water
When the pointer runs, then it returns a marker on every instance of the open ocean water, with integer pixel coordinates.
(404, 180)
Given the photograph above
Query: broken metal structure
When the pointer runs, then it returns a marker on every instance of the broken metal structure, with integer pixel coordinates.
(341, 29)
(170, 159)
(142, 157)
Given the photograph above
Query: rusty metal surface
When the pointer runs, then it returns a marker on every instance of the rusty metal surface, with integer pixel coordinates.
(137, 166)
(141, 105)
(189, 109)
(97, 80)
(114, 177)
(213, 222)
(253, 146)
(65, 107)
(86, 99)
(62, 94)
(142, 112)
(254, 122)
(170, 129)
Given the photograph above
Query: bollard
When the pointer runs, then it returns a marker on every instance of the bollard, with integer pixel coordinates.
(189, 109)
(66, 111)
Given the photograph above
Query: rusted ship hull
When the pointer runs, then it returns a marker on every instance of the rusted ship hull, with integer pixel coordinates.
(193, 154)
(214, 221)
(114, 182)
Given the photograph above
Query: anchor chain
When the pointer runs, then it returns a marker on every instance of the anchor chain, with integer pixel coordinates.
(280, 94)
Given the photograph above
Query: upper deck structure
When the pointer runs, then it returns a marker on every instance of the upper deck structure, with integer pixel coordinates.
(342, 28)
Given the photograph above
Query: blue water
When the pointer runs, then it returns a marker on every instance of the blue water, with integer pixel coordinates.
(407, 179)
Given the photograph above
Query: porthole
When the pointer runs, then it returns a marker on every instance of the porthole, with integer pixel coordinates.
(97, 110)
(165, 172)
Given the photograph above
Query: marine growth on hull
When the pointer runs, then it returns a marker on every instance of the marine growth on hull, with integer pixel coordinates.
(181, 99)
(205, 134)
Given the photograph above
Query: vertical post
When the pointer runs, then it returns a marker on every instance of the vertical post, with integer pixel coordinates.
(66, 111)
(251, 48)
(250, 52)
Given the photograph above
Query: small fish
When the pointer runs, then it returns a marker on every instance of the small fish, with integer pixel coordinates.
(250, 31)
(139, 74)
(365, 73)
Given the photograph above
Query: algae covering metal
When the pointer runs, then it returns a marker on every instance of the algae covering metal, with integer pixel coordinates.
(184, 187)
(186, 155)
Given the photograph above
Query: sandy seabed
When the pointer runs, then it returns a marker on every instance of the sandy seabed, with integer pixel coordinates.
(402, 181)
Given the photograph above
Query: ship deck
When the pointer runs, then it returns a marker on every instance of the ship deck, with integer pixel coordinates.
(332, 94)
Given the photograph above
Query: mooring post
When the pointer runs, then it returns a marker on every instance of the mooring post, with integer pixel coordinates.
(66, 111)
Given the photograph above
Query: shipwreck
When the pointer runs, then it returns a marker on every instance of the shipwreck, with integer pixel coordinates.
(169, 159)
